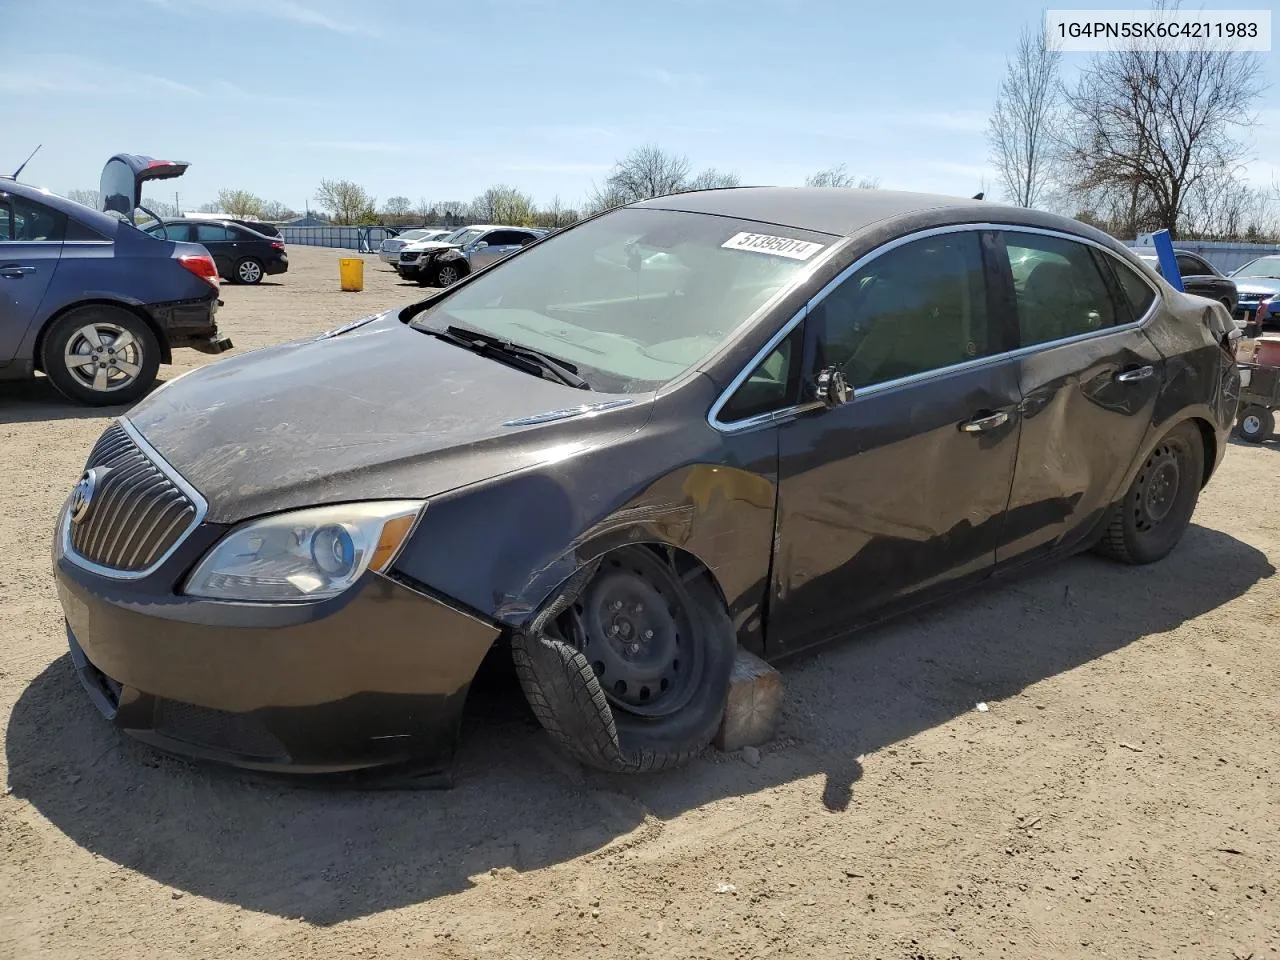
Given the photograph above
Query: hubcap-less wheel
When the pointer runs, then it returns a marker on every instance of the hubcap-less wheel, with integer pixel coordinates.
(249, 271)
(103, 357)
(1157, 488)
(1251, 425)
(447, 276)
(632, 626)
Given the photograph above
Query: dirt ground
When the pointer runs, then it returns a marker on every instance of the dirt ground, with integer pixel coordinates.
(1119, 798)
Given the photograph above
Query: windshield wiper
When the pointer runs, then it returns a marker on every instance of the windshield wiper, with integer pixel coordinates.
(526, 357)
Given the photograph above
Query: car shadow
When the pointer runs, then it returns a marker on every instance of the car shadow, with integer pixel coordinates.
(36, 400)
(327, 856)
(1271, 443)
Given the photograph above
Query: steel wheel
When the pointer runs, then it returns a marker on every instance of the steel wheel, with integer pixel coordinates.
(1157, 488)
(447, 276)
(104, 357)
(249, 271)
(1256, 424)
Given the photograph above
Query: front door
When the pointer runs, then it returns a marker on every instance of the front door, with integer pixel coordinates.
(1089, 378)
(30, 247)
(903, 490)
(214, 237)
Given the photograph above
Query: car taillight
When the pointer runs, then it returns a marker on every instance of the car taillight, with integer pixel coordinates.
(277, 244)
(202, 265)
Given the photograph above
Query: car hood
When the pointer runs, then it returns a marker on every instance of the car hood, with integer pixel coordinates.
(429, 245)
(1256, 286)
(380, 411)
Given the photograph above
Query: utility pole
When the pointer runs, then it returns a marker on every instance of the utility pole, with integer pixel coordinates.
(177, 204)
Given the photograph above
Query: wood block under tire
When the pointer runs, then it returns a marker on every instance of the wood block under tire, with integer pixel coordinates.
(754, 706)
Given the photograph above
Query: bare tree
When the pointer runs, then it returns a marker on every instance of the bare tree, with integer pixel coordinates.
(606, 197)
(397, 209)
(161, 208)
(1148, 128)
(839, 176)
(87, 197)
(211, 207)
(503, 204)
(554, 214)
(648, 171)
(240, 203)
(275, 210)
(713, 179)
(347, 202)
(1023, 126)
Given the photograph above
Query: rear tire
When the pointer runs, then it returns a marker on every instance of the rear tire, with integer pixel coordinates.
(623, 726)
(1257, 424)
(1156, 509)
(101, 356)
(248, 271)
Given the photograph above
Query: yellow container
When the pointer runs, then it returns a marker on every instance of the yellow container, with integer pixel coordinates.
(351, 273)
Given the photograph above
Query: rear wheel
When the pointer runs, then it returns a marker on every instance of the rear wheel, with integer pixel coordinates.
(249, 270)
(101, 355)
(1257, 424)
(1156, 509)
(632, 675)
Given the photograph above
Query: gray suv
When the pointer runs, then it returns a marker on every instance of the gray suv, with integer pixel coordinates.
(90, 300)
(440, 263)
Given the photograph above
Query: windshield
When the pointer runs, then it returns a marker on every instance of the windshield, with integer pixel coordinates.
(463, 236)
(633, 298)
(415, 234)
(1262, 267)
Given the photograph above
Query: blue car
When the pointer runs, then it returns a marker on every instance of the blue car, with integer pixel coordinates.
(90, 300)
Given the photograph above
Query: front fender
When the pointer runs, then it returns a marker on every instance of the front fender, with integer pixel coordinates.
(502, 547)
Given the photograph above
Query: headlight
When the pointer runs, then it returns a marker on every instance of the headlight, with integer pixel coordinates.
(306, 554)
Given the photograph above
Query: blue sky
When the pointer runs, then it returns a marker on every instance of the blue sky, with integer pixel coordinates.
(440, 100)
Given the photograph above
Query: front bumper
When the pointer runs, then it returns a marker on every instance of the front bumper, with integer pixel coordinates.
(375, 677)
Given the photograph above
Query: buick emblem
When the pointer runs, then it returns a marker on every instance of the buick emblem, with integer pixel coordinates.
(82, 495)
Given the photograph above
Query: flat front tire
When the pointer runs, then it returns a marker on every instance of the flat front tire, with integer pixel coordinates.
(1156, 510)
(633, 674)
(101, 356)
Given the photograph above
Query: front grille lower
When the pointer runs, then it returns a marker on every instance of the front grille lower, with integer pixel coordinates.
(137, 513)
(409, 257)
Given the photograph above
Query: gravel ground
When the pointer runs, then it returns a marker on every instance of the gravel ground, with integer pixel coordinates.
(1120, 796)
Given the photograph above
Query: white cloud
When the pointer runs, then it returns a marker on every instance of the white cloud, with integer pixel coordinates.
(307, 14)
(73, 75)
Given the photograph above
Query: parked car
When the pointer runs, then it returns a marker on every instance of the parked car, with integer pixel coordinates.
(440, 263)
(1259, 284)
(1199, 276)
(259, 226)
(745, 417)
(91, 301)
(389, 249)
(242, 255)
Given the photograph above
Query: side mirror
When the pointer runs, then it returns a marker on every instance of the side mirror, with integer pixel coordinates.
(481, 245)
(831, 388)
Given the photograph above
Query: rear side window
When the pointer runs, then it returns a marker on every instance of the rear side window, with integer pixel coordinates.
(1190, 266)
(22, 221)
(1060, 292)
(1136, 291)
(210, 232)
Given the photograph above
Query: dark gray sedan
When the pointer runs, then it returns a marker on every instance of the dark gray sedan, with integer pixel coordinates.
(751, 418)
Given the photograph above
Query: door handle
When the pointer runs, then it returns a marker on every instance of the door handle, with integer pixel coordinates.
(984, 423)
(1136, 374)
(15, 270)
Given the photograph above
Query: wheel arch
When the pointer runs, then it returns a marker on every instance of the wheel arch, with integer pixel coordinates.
(166, 354)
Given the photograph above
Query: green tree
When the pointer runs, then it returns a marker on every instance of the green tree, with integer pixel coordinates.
(239, 203)
(346, 202)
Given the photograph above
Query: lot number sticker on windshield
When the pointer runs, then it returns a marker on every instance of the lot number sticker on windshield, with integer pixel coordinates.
(778, 246)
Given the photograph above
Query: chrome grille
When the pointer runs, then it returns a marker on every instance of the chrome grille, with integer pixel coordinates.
(137, 513)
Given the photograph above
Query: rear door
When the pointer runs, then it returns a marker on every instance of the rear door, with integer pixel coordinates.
(219, 243)
(501, 243)
(1089, 379)
(31, 237)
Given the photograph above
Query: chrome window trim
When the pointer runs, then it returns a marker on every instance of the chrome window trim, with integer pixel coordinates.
(736, 426)
(201, 505)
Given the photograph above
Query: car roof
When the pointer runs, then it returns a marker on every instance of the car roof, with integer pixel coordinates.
(100, 221)
(846, 212)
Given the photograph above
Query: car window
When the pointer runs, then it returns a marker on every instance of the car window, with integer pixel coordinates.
(210, 232)
(919, 307)
(502, 238)
(1059, 291)
(1136, 291)
(172, 231)
(772, 385)
(22, 221)
(1262, 267)
(1190, 266)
